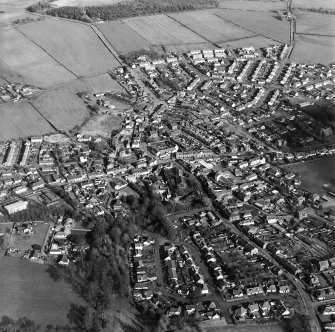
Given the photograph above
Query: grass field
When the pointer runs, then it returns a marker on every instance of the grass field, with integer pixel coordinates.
(314, 49)
(315, 23)
(21, 120)
(248, 328)
(122, 37)
(62, 107)
(257, 42)
(56, 138)
(74, 45)
(162, 30)
(103, 83)
(262, 23)
(211, 27)
(102, 125)
(27, 290)
(326, 4)
(23, 61)
(21, 242)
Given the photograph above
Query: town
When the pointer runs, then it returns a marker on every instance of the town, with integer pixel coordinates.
(210, 133)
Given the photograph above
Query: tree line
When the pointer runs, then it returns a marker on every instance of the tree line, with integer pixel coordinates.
(123, 9)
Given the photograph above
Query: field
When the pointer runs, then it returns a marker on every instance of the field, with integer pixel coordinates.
(122, 37)
(21, 242)
(257, 42)
(62, 107)
(261, 23)
(213, 28)
(21, 120)
(102, 125)
(23, 61)
(315, 23)
(12, 10)
(61, 3)
(246, 328)
(27, 290)
(162, 30)
(188, 47)
(326, 4)
(103, 83)
(56, 138)
(253, 5)
(74, 45)
(314, 49)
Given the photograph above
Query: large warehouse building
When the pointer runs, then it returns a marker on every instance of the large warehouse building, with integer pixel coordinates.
(16, 207)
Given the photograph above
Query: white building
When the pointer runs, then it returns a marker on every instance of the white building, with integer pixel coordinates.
(16, 207)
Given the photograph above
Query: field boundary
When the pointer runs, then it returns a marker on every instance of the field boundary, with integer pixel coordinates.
(106, 42)
(46, 52)
(314, 34)
(47, 120)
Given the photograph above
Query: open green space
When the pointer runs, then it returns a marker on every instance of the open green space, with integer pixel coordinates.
(27, 290)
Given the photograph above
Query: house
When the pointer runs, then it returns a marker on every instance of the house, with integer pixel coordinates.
(148, 294)
(265, 307)
(204, 289)
(237, 292)
(241, 312)
(271, 289)
(253, 308)
(190, 309)
(64, 261)
(324, 265)
(174, 311)
(330, 326)
(284, 289)
(329, 310)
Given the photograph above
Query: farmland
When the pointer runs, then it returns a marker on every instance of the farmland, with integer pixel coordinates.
(211, 27)
(122, 37)
(33, 65)
(62, 107)
(262, 23)
(314, 49)
(257, 41)
(325, 4)
(188, 47)
(86, 55)
(20, 120)
(27, 290)
(315, 23)
(162, 30)
(253, 5)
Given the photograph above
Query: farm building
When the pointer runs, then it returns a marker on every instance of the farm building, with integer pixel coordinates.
(16, 207)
